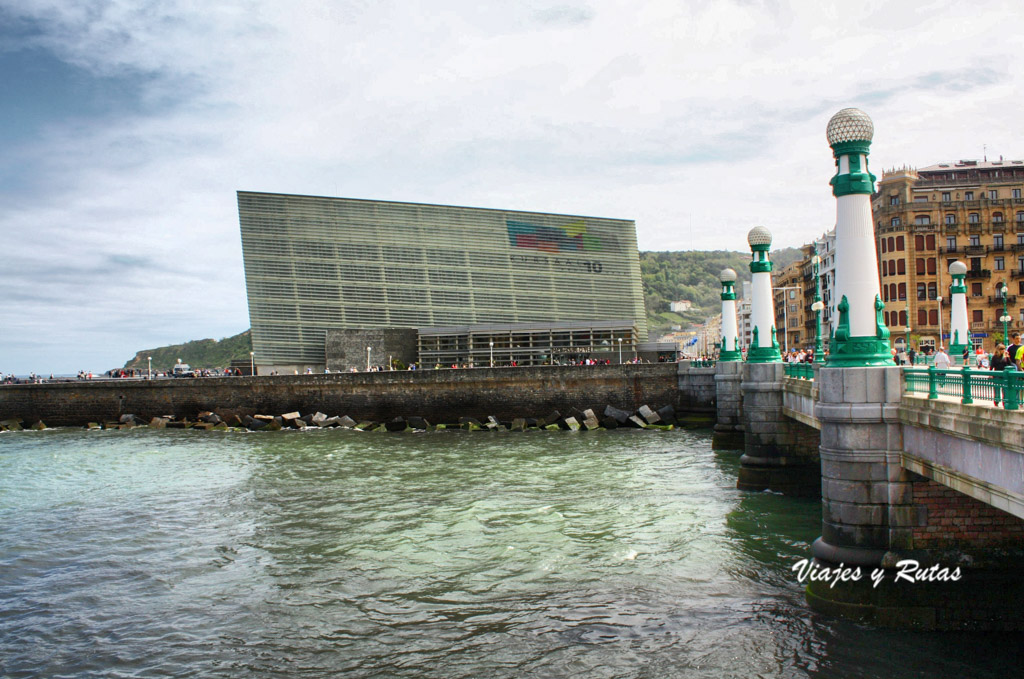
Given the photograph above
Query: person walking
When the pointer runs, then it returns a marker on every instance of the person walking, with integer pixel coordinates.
(999, 362)
(942, 361)
(1014, 350)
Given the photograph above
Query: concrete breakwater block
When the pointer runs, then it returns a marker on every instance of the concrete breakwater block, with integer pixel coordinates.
(620, 416)
(396, 424)
(470, 424)
(637, 422)
(650, 417)
(573, 424)
(346, 422)
(518, 424)
(11, 425)
(417, 423)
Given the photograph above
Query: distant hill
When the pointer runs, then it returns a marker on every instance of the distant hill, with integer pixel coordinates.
(693, 275)
(204, 353)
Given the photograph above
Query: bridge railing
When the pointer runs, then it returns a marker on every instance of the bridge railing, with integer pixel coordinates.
(702, 363)
(999, 387)
(800, 371)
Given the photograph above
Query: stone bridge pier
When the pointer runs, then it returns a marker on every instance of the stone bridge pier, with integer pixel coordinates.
(778, 454)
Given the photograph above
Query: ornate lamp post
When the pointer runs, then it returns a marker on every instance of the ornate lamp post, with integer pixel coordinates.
(860, 337)
(252, 363)
(1005, 318)
(959, 331)
(730, 348)
(491, 343)
(149, 359)
(620, 351)
(764, 347)
(367, 359)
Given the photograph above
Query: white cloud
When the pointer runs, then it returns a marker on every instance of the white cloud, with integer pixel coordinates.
(702, 113)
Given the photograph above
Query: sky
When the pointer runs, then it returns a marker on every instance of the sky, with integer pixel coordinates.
(127, 126)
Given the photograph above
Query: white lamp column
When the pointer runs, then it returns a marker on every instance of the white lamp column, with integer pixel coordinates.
(764, 348)
(860, 338)
(959, 332)
(730, 350)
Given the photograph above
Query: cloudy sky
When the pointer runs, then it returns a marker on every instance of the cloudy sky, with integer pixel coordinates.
(128, 125)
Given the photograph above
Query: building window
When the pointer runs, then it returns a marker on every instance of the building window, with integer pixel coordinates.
(1016, 193)
(975, 240)
(973, 218)
(894, 200)
(902, 292)
(920, 266)
(977, 315)
(975, 263)
(945, 196)
(931, 265)
(1000, 264)
(899, 244)
(997, 241)
(1020, 288)
(922, 294)
(901, 267)
(881, 242)
(1020, 239)
(1020, 264)
(951, 243)
(933, 317)
(968, 195)
(929, 242)
(895, 221)
(892, 243)
(993, 194)
(922, 220)
(997, 216)
(922, 317)
(976, 290)
(903, 318)
(1020, 217)
(932, 291)
(951, 219)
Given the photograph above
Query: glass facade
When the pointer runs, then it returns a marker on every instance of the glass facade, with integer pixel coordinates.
(315, 263)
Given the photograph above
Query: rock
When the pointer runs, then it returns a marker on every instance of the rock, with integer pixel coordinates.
(649, 415)
(492, 423)
(202, 425)
(38, 426)
(555, 416)
(552, 427)
(93, 425)
(235, 421)
(298, 423)
(470, 424)
(620, 416)
(591, 422)
(158, 423)
(518, 424)
(252, 424)
(667, 414)
(589, 414)
(318, 419)
(177, 424)
(210, 418)
(221, 426)
(265, 418)
(346, 421)
(126, 419)
(381, 428)
(417, 423)
(274, 425)
(365, 425)
(640, 424)
(291, 416)
(573, 423)
(396, 424)
(609, 423)
(308, 418)
(531, 423)
(331, 422)
(11, 424)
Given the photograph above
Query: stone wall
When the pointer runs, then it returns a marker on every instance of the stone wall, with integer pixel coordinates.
(437, 395)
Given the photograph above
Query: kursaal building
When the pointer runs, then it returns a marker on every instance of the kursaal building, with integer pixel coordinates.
(316, 264)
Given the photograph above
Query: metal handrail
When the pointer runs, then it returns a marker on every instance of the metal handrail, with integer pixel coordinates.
(800, 371)
(1001, 387)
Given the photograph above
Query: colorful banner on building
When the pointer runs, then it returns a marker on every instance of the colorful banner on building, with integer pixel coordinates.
(571, 237)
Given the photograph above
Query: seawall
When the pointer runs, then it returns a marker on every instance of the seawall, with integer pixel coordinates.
(437, 395)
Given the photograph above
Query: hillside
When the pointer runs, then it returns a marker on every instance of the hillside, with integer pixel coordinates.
(204, 353)
(693, 275)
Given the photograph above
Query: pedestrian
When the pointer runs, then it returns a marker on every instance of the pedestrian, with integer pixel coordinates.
(942, 360)
(1000, 361)
(1014, 350)
(911, 355)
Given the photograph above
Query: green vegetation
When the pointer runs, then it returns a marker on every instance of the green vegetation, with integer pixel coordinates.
(693, 275)
(204, 353)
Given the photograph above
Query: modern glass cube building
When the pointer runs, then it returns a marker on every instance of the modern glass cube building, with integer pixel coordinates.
(316, 263)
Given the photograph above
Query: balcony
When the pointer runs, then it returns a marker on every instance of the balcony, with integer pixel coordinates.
(998, 299)
(998, 248)
(1017, 247)
(949, 250)
(1017, 273)
(975, 249)
(980, 273)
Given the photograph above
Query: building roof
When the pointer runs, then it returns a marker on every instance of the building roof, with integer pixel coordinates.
(953, 166)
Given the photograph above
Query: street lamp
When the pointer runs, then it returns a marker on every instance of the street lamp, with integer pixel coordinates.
(620, 351)
(150, 358)
(1005, 318)
(367, 359)
(939, 300)
(252, 363)
(492, 352)
(817, 307)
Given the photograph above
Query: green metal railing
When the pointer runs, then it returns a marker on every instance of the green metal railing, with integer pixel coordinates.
(801, 371)
(1000, 387)
(702, 364)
